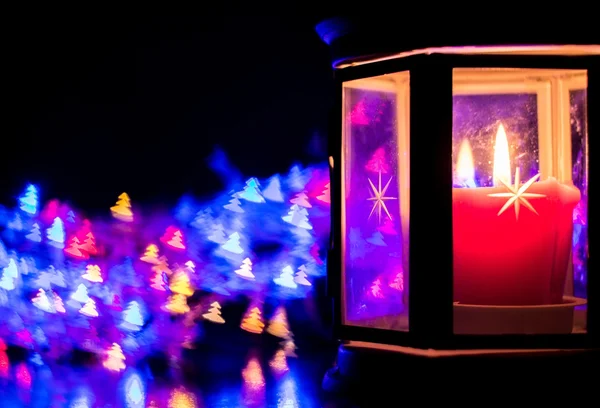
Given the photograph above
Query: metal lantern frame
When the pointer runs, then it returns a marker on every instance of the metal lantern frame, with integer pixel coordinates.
(430, 315)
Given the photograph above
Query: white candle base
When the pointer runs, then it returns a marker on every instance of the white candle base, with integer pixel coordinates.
(543, 319)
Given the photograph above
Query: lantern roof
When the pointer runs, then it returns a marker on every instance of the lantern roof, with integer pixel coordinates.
(355, 39)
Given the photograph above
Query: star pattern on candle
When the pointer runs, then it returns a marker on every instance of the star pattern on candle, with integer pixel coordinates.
(379, 198)
(518, 194)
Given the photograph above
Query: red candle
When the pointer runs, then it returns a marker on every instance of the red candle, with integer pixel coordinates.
(512, 242)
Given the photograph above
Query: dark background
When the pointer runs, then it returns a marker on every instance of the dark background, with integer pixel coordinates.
(99, 106)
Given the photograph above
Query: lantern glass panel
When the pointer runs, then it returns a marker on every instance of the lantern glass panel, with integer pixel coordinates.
(519, 201)
(375, 165)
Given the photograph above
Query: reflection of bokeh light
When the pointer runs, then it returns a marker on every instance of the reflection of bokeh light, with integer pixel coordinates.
(288, 396)
(4, 361)
(80, 402)
(23, 376)
(135, 396)
(181, 398)
(82, 398)
(253, 375)
(253, 388)
(279, 362)
(4, 364)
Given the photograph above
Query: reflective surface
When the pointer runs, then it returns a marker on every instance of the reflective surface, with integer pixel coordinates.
(375, 207)
(252, 382)
(519, 200)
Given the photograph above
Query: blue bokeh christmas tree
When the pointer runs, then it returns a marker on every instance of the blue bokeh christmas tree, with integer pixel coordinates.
(144, 280)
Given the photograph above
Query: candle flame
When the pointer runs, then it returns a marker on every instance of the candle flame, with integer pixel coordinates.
(465, 168)
(501, 159)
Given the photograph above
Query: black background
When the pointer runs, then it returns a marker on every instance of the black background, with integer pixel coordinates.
(95, 107)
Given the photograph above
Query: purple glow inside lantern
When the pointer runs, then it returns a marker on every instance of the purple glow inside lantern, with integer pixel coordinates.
(519, 126)
(375, 236)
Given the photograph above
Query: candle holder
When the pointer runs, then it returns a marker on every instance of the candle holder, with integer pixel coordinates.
(460, 195)
(558, 318)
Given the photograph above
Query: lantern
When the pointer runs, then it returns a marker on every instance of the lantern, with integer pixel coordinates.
(460, 194)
